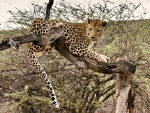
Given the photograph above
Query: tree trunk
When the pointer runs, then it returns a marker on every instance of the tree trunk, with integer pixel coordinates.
(124, 93)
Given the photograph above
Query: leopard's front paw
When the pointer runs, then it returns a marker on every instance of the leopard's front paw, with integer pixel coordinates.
(60, 24)
(104, 58)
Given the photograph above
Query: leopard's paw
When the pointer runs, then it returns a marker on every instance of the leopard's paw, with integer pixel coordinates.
(104, 58)
(60, 24)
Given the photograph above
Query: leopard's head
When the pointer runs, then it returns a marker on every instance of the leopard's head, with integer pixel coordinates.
(95, 29)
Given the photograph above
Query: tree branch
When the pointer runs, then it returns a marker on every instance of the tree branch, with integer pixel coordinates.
(121, 66)
(15, 42)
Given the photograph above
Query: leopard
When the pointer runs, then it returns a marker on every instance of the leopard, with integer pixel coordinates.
(79, 38)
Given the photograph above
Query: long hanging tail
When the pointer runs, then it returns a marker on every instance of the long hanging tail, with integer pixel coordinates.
(36, 63)
(38, 66)
(49, 6)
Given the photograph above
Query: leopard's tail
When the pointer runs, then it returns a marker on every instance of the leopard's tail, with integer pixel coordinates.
(49, 6)
(38, 66)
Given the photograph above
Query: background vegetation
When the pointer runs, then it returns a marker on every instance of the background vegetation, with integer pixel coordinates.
(23, 91)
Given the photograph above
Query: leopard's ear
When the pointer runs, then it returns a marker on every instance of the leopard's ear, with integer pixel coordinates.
(104, 23)
(89, 20)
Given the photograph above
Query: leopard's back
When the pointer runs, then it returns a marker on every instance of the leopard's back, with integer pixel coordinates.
(75, 34)
(39, 26)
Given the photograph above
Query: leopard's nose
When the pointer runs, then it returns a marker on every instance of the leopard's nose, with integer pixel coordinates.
(93, 37)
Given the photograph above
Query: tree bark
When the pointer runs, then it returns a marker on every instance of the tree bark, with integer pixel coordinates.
(124, 92)
(121, 95)
(15, 42)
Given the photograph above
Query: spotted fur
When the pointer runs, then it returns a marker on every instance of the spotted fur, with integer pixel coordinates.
(45, 77)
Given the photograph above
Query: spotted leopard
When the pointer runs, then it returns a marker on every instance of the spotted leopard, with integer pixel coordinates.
(78, 39)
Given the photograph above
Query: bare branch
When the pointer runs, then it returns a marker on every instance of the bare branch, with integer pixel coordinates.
(88, 63)
(14, 42)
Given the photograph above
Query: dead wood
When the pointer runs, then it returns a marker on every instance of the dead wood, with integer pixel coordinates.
(15, 42)
(125, 94)
(88, 63)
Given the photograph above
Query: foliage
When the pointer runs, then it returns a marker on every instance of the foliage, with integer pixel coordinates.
(105, 10)
(22, 90)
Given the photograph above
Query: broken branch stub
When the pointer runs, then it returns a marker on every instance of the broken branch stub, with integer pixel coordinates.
(125, 94)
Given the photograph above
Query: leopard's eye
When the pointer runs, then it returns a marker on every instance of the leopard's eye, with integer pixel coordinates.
(98, 30)
(90, 29)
